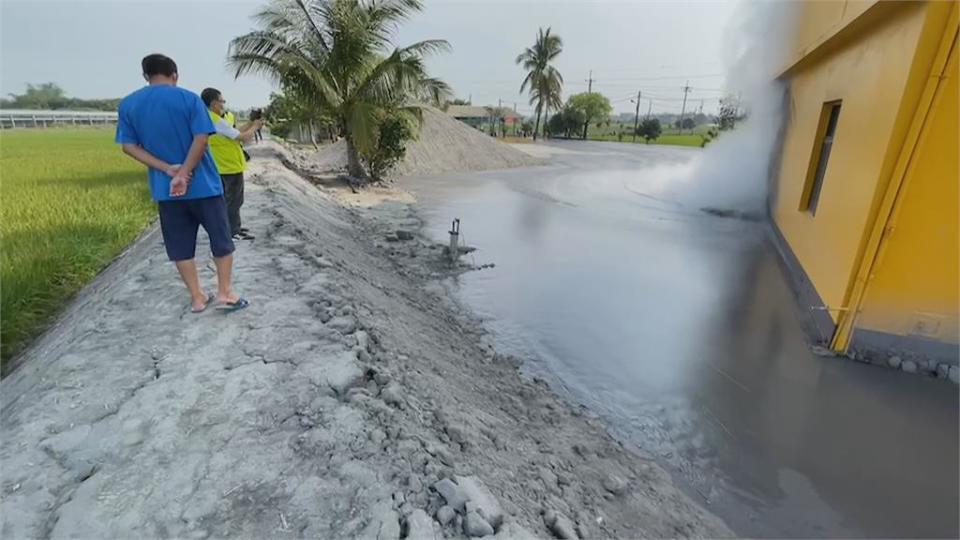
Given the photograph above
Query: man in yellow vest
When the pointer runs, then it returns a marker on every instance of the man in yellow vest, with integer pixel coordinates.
(227, 151)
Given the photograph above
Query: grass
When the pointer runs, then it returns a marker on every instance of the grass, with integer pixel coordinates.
(672, 139)
(670, 135)
(70, 202)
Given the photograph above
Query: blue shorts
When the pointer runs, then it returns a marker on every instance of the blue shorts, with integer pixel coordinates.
(180, 220)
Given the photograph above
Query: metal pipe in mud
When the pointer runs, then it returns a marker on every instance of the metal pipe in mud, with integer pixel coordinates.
(454, 241)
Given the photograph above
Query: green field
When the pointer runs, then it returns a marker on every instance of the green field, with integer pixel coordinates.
(70, 201)
(677, 140)
(670, 136)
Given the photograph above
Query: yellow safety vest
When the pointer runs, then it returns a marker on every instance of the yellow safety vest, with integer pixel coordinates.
(227, 153)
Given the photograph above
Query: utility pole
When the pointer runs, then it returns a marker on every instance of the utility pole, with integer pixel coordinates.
(590, 82)
(500, 114)
(636, 118)
(683, 110)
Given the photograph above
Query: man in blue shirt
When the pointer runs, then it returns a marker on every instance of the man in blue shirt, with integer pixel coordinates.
(166, 128)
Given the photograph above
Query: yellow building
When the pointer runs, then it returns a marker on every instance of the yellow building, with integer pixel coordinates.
(865, 193)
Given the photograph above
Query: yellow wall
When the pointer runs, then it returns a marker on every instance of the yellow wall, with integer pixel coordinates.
(869, 72)
(821, 20)
(914, 290)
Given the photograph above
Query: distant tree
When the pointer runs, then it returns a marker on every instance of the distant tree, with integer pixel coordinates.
(543, 80)
(728, 113)
(593, 105)
(458, 101)
(51, 96)
(566, 123)
(286, 110)
(526, 127)
(650, 129)
(688, 123)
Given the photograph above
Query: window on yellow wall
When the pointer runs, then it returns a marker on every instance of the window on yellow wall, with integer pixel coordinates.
(826, 131)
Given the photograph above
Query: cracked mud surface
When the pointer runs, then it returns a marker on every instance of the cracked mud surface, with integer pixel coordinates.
(329, 408)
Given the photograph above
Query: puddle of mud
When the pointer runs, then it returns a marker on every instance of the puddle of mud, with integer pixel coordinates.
(676, 325)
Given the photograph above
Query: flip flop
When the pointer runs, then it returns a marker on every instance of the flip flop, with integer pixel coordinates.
(210, 298)
(229, 307)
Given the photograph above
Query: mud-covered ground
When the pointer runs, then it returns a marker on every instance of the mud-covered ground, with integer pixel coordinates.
(352, 399)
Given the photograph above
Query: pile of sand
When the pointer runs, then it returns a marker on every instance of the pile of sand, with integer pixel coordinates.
(443, 145)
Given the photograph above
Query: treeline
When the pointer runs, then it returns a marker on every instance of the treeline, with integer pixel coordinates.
(49, 96)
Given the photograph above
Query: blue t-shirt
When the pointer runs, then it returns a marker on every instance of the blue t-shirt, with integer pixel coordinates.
(163, 120)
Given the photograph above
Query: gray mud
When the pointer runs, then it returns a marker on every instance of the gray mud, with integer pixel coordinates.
(352, 399)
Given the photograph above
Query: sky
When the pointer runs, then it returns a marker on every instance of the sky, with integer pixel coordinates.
(92, 48)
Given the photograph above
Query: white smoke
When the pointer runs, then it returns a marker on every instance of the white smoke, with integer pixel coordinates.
(756, 47)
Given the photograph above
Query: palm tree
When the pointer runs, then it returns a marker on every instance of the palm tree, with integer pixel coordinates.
(335, 56)
(544, 81)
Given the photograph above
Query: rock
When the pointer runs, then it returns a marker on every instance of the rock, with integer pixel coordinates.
(559, 525)
(583, 530)
(344, 324)
(377, 436)
(414, 484)
(389, 526)
(614, 484)
(820, 350)
(909, 366)
(457, 434)
(363, 340)
(343, 373)
(549, 479)
(452, 493)
(420, 526)
(954, 374)
(445, 514)
(511, 530)
(581, 450)
(391, 237)
(381, 378)
(398, 499)
(943, 371)
(392, 395)
(894, 362)
(485, 503)
(404, 235)
(475, 526)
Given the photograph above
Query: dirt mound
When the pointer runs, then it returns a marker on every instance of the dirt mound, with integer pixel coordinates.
(444, 145)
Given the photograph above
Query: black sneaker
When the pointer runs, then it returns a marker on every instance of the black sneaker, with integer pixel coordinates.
(244, 235)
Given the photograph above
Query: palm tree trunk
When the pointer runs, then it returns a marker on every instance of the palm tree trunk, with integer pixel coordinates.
(536, 127)
(354, 167)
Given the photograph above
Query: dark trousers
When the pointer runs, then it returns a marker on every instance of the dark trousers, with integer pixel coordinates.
(181, 218)
(233, 193)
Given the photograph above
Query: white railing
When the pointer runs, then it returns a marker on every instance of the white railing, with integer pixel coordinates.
(22, 118)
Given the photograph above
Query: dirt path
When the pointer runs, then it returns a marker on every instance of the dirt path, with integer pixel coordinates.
(352, 399)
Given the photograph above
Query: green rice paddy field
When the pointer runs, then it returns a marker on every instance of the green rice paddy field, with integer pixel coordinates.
(70, 201)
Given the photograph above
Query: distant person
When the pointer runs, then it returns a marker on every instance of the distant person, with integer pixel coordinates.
(257, 114)
(229, 156)
(166, 128)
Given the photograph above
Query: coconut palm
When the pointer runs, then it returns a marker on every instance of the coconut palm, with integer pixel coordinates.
(543, 80)
(336, 56)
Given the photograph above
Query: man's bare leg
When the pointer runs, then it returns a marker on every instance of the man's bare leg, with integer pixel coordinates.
(225, 294)
(188, 273)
